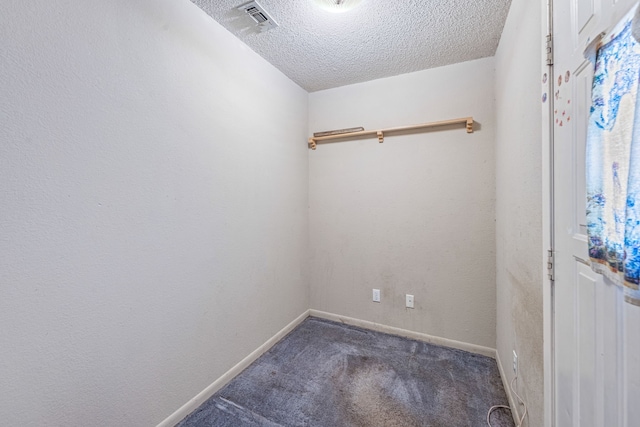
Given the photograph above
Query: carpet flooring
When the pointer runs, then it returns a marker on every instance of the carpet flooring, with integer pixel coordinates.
(329, 374)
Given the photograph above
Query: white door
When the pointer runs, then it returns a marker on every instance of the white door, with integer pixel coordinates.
(597, 335)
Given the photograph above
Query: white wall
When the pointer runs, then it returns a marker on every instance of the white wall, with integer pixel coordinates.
(153, 208)
(519, 202)
(412, 215)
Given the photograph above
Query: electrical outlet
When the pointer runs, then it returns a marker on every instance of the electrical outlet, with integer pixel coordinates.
(515, 362)
(409, 301)
(376, 295)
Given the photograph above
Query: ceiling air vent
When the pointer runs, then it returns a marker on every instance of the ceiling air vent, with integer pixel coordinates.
(262, 19)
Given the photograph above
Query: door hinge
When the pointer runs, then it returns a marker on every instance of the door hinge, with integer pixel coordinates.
(550, 264)
(549, 46)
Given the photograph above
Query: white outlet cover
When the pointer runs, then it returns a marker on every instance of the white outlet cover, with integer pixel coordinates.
(376, 295)
(409, 302)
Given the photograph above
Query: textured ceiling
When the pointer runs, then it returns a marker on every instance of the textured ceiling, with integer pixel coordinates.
(320, 50)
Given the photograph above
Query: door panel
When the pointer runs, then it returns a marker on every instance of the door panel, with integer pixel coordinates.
(586, 12)
(586, 289)
(582, 96)
(631, 380)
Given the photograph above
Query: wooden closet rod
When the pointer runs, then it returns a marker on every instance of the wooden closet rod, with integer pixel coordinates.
(467, 121)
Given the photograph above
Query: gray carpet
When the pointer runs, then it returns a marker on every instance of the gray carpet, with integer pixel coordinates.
(329, 374)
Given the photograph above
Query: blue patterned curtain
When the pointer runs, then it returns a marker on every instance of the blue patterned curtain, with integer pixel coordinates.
(613, 161)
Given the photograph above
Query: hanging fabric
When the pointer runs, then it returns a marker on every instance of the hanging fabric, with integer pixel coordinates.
(613, 161)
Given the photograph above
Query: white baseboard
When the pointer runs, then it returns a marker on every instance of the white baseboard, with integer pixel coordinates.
(507, 388)
(205, 394)
(445, 342)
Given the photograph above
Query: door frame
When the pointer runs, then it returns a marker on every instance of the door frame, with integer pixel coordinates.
(547, 142)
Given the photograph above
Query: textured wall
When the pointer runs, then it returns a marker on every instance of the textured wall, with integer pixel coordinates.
(153, 208)
(519, 202)
(413, 215)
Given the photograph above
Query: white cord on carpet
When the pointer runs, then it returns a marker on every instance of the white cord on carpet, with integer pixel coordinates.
(524, 414)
